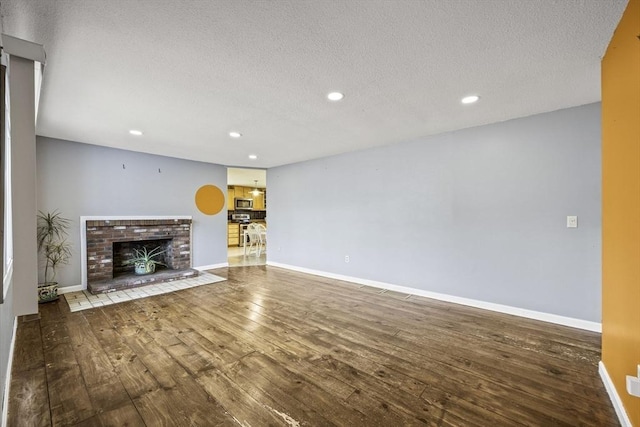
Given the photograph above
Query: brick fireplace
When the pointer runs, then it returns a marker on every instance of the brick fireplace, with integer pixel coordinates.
(110, 241)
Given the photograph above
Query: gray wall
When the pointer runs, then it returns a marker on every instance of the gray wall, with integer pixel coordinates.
(81, 179)
(478, 213)
(23, 181)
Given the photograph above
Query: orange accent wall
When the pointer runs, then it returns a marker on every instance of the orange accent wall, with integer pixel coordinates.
(621, 206)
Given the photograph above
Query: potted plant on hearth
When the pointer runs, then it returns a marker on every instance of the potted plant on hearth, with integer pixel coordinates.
(53, 245)
(144, 260)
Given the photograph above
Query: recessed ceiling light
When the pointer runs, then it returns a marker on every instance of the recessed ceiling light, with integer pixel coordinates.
(469, 99)
(253, 156)
(235, 134)
(135, 132)
(335, 96)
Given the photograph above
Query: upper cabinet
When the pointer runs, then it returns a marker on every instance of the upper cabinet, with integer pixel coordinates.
(238, 191)
(231, 194)
(259, 200)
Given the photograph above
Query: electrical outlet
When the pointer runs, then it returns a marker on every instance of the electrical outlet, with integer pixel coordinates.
(346, 258)
(572, 221)
(633, 384)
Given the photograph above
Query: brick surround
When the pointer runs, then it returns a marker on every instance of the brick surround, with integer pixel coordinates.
(100, 236)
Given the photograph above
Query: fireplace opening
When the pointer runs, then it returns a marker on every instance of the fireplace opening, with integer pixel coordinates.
(123, 251)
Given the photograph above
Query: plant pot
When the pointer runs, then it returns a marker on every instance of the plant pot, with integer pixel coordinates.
(145, 268)
(47, 292)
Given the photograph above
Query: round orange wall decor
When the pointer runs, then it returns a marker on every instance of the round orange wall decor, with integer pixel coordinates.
(209, 199)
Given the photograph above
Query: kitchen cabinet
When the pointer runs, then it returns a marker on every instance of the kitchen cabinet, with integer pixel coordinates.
(241, 192)
(233, 234)
(231, 194)
(259, 201)
(238, 191)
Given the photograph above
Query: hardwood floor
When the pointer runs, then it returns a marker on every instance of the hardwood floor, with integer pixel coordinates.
(274, 347)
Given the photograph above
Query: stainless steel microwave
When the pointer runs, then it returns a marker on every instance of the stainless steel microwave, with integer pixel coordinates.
(243, 204)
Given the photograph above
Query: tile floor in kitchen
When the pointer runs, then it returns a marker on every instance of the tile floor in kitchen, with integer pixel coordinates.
(238, 259)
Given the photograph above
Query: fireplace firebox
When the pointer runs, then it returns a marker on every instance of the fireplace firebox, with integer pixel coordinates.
(123, 251)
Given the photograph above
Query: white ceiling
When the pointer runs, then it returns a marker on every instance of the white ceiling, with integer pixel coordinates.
(247, 177)
(188, 72)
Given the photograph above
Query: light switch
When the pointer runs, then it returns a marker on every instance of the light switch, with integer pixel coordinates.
(572, 221)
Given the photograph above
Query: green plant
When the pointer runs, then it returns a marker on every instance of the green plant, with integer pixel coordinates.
(144, 259)
(52, 242)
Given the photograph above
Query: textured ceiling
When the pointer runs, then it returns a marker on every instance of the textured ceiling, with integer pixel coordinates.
(188, 72)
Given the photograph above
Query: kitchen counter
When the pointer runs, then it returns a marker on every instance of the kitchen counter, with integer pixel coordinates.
(234, 231)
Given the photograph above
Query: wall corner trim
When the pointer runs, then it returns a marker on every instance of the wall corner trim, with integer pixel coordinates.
(500, 308)
(7, 280)
(7, 385)
(614, 396)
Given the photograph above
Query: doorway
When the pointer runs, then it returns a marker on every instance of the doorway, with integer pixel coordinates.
(246, 204)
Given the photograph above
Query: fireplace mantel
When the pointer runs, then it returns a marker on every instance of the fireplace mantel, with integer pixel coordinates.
(121, 222)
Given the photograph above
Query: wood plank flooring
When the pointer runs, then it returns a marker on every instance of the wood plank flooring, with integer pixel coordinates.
(270, 347)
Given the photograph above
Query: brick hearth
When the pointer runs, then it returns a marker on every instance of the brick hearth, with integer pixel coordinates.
(175, 234)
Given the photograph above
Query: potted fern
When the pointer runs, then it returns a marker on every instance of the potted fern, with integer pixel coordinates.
(144, 260)
(56, 251)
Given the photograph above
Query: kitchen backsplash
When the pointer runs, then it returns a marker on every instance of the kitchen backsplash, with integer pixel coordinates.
(253, 215)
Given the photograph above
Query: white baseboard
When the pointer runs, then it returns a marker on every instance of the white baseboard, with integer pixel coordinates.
(212, 266)
(516, 311)
(614, 396)
(67, 289)
(7, 384)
